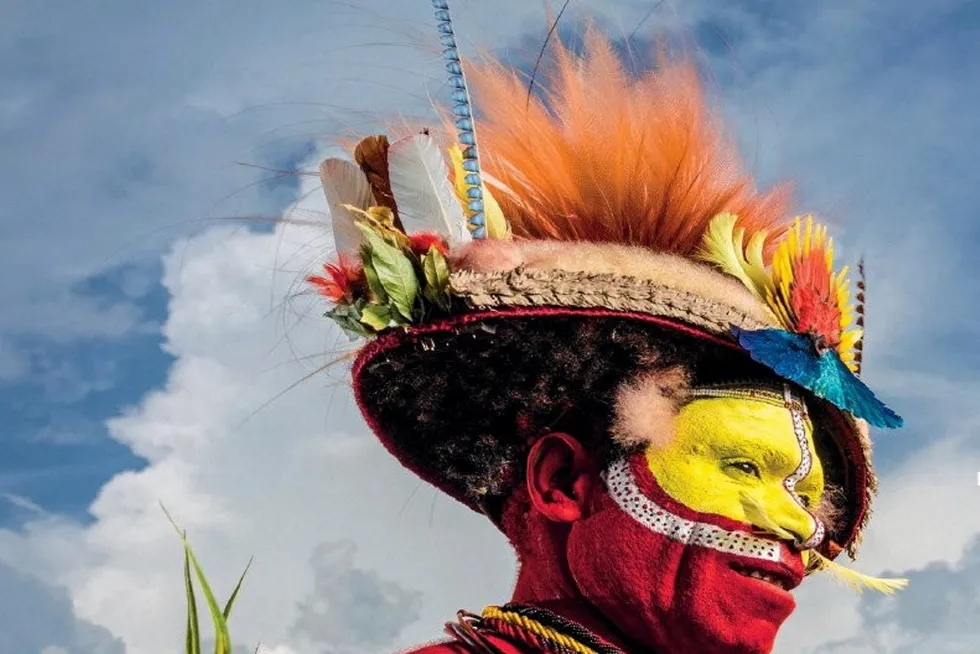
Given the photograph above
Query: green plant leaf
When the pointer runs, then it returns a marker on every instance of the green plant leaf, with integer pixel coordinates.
(436, 271)
(222, 640)
(376, 317)
(193, 639)
(381, 221)
(395, 272)
(436, 268)
(348, 316)
(234, 594)
(375, 287)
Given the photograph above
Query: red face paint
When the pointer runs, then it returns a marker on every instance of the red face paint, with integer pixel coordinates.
(672, 583)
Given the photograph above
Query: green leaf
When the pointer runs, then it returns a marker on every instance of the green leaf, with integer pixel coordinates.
(376, 317)
(376, 288)
(222, 644)
(436, 268)
(348, 316)
(234, 593)
(382, 215)
(380, 220)
(436, 271)
(193, 639)
(395, 272)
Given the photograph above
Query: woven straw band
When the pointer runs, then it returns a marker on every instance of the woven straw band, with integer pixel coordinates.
(559, 288)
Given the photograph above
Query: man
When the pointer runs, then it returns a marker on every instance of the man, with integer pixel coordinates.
(597, 333)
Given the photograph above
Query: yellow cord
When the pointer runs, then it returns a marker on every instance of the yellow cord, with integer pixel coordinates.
(538, 629)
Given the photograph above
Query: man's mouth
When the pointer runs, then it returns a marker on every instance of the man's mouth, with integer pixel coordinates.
(780, 580)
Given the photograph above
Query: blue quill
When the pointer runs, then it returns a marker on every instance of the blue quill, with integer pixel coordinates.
(463, 112)
(794, 357)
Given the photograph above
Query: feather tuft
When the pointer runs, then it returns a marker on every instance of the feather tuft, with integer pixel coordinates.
(794, 357)
(603, 155)
(724, 246)
(816, 562)
(423, 191)
(344, 184)
(807, 295)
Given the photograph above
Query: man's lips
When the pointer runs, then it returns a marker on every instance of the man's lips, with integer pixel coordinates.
(775, 574)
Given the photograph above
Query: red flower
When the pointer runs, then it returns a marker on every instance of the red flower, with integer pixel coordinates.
(342, 280)
(420, 243)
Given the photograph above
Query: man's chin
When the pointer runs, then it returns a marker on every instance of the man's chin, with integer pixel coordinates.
(736, 615)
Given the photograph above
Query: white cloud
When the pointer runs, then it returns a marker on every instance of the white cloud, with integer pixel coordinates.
(940, 616)
(351, 610)
(38, 618)
(276, 482)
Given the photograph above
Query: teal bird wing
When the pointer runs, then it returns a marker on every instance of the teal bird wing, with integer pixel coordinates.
(794, 357)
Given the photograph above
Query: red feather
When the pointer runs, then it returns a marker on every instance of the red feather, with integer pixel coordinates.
(343, 279)
(813, 298)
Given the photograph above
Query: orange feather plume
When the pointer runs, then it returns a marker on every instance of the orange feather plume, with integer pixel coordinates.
(607, 157)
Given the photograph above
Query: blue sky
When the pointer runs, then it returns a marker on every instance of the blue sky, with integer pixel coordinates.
(126, 292)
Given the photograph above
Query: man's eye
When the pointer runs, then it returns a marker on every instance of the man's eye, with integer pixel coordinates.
(747, 467)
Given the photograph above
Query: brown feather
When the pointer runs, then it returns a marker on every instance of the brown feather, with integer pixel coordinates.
(371, 154)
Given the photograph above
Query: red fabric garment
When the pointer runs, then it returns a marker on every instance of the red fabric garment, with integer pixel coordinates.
(503, 646)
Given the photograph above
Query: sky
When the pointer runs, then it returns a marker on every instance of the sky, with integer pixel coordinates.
(157, 345)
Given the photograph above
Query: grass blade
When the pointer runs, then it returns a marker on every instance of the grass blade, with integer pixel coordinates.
(222, 641)
(234, 593)
(193, 640)
(222, 644)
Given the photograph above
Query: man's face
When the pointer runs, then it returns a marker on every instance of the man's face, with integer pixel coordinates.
(695, 545)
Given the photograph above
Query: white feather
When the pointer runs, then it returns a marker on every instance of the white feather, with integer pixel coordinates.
(420, 183)
(345, 183)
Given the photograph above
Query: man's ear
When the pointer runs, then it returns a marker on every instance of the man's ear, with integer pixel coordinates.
(560, 477)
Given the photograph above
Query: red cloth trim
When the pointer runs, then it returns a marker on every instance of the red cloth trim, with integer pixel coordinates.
(853, 452)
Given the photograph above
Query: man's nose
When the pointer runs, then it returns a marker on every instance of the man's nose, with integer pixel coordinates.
(807, 531)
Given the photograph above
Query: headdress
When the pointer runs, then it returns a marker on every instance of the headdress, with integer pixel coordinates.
(608, 205)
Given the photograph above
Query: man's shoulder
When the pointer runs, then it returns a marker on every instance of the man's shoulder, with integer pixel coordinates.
(503, 646)
(440, 648)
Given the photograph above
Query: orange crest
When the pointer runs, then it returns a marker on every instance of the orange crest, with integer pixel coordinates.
(604, 156)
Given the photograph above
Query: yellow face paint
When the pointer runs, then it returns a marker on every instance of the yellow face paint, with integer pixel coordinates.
(732, 457)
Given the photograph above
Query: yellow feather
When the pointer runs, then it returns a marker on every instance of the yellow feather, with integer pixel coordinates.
(849, 340)
(856, 580)
(755, 259)
(497, 225)
(724, 246)
(813, 560)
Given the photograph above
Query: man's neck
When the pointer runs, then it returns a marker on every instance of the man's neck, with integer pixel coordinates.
(551, 588)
